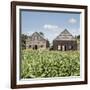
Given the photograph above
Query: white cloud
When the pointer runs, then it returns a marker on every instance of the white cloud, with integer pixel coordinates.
(72, 20)
(49, 26)
(54, 29)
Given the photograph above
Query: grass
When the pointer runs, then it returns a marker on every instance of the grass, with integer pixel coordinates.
(45, 63)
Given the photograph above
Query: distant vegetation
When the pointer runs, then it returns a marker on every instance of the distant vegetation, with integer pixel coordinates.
(41, 33)
(78, 39)
(23, 41)
(78, 36)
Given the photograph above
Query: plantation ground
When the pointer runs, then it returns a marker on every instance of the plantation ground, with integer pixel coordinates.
(44, 63)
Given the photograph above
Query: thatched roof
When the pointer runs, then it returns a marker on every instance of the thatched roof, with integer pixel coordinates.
(65, 35)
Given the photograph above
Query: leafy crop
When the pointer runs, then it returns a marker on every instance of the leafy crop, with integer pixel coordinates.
(44, 63)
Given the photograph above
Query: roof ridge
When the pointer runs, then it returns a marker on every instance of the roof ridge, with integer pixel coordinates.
(65, 30)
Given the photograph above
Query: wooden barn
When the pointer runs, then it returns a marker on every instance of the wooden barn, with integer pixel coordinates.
(65, 41)
(36, 41)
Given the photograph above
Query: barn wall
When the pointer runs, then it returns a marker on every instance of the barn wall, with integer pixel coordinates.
(38, 43)
(66, 43)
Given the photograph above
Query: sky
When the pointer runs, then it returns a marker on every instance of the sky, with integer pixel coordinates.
(50, 23)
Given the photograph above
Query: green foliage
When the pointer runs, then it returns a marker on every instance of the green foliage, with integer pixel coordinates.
(23, 41)
(44, 63)
(78, 37)
(41, 33)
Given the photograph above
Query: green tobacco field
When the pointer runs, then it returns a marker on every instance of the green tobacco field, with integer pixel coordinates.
(45, 63)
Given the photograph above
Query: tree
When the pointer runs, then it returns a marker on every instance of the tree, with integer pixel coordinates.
(23, 41)
(41, 33)
(78, 37)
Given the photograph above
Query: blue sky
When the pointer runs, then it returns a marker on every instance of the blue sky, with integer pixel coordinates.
(50, 23)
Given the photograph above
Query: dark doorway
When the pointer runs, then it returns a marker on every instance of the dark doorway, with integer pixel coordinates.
(65, 47)
(36, 47)
(29, 46)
